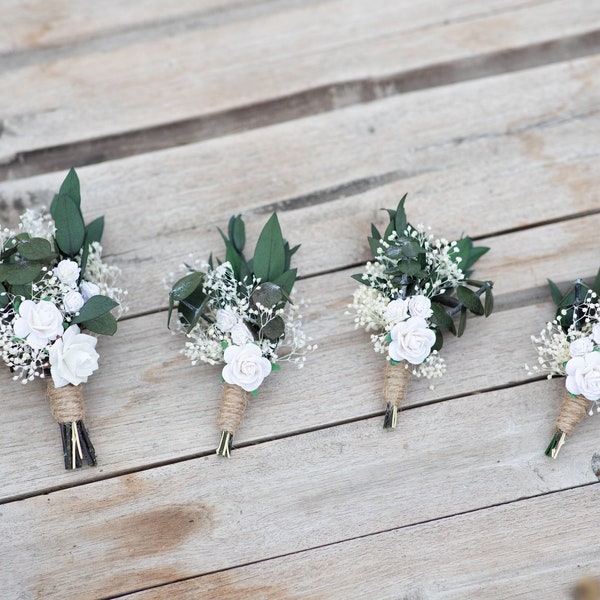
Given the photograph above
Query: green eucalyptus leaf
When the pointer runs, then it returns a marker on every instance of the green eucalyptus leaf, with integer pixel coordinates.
(24, 290)
(439, 340)
(469, 299)
(95, 230)
(410, 268)
(375, 232)
(105, 324)
(374, 245)
(400, 221)
(20, 273)
(36, 249)
(95, 307)
(190, 309)
(488, 306)
(412, 249)
(441, 318)
(274, 329)
(267, 294)
(186, 286)
(237, 233)
(70, 187)
(462, 322)
(269, 255)
(286, 281)
(360, 278)
(70, 229)
(3, 297)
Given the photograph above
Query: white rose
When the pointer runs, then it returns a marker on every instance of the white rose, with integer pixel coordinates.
(38, 323)
(226, 318)
(73, 357)
(73, 301)
(88, 289)
(419, 306)
(240, 334)
(583, 376)
(411, 341)
(68, 272)
(246, 366)
(396, 311)
(581, 346)
(596, 333)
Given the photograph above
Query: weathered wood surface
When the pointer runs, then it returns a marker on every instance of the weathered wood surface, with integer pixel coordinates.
(303, 106)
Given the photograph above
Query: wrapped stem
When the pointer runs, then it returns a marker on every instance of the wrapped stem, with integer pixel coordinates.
(231, 412)
(572, 411)
(394, 392)
(66, 406)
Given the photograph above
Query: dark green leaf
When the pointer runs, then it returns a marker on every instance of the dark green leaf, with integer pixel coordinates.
(85, 252)
(36, 249)
(411, 249)
(267, 294)
(237, 233)
(94, 230)
(286, 281)
(269, 255)
(274, 329)
(410, 268)
(24, 290)
(374, 245)
(400, 222)
(95, 307)
(360, 278)
(105, 324)
(439, 340)
(186, 286)
(70, 230)
(70, 187)
(190, 309)
(3, 297)
(375, 232)
(20, 273)
(470, 299)
(441, 318)
(489, 302)
(394, 252)
(462, 322)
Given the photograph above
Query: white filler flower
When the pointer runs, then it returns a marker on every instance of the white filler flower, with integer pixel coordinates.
(73, 301)
(38, 323)
(583, 376)
(419, 306)
(226, 318)
(73, 357)
(68, 272)
(396, 311)
(411, 341)
(246, 366)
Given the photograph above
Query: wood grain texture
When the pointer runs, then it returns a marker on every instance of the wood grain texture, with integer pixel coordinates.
(210, 72)
(490, 160)
(208, 514)
(517, 551)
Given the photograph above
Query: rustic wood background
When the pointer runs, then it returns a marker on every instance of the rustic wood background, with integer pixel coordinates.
(179, 114)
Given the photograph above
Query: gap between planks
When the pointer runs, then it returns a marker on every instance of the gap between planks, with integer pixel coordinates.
(295, 106)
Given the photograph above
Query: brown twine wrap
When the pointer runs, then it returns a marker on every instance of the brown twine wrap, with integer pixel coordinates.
(66, 402)
(571, 412)
(233, 404)
(396, 384)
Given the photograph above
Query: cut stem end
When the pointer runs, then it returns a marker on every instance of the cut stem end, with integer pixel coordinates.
(224, 448)
(77, 446)
(558, 439)
(390, 419)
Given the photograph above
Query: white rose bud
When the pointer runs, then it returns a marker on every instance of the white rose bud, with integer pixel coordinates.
(226, 319)
(68, 272)
(419, 306)
(88, 289)
(583, 376)
(396, 311)
(411, 341)
(73, 357)
(596, 333)
(240, 334)
(38, 323)
(246, 366)
(73, 301)
(581, 346)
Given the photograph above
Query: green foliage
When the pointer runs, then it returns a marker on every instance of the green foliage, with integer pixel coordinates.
(269, 254)
(70, 228)
(572, 298)
(95, 307)
(105, 324)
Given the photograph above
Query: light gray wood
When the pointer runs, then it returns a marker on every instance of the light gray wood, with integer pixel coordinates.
(540, 548)
(490, 160)
(284, 496)
(203, 72)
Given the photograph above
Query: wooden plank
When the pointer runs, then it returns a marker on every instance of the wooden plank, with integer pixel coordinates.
(537, 548)
(511, 164)
(211, 72)
(207, 514)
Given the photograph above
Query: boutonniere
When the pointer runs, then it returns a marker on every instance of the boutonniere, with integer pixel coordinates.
(240, 312)
(410, 292)
(54, 291)
(569, 346)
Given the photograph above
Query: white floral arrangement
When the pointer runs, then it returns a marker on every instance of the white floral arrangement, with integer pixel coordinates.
(569, 347)
(55, 290)
(241, 313)
(409, 294)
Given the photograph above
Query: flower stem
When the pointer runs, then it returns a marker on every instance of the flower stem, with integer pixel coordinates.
(76, 444)
(224, 448)
(390, 419)
(558, 439)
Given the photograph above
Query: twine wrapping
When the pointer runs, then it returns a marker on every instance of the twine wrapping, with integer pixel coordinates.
(66, 402)
(233, 404)
(396, 384)
(573, 410)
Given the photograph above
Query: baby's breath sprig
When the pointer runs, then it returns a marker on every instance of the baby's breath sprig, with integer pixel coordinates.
(412, 290)
(240, 311)
(569, 346)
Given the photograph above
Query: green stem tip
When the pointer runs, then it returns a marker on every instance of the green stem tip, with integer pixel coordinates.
(556, 443)
(390, 419)
(224, 448)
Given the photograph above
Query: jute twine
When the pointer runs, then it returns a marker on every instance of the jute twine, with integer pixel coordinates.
(572, 411)
(233, 404)
(66, 402)
(396, 384)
